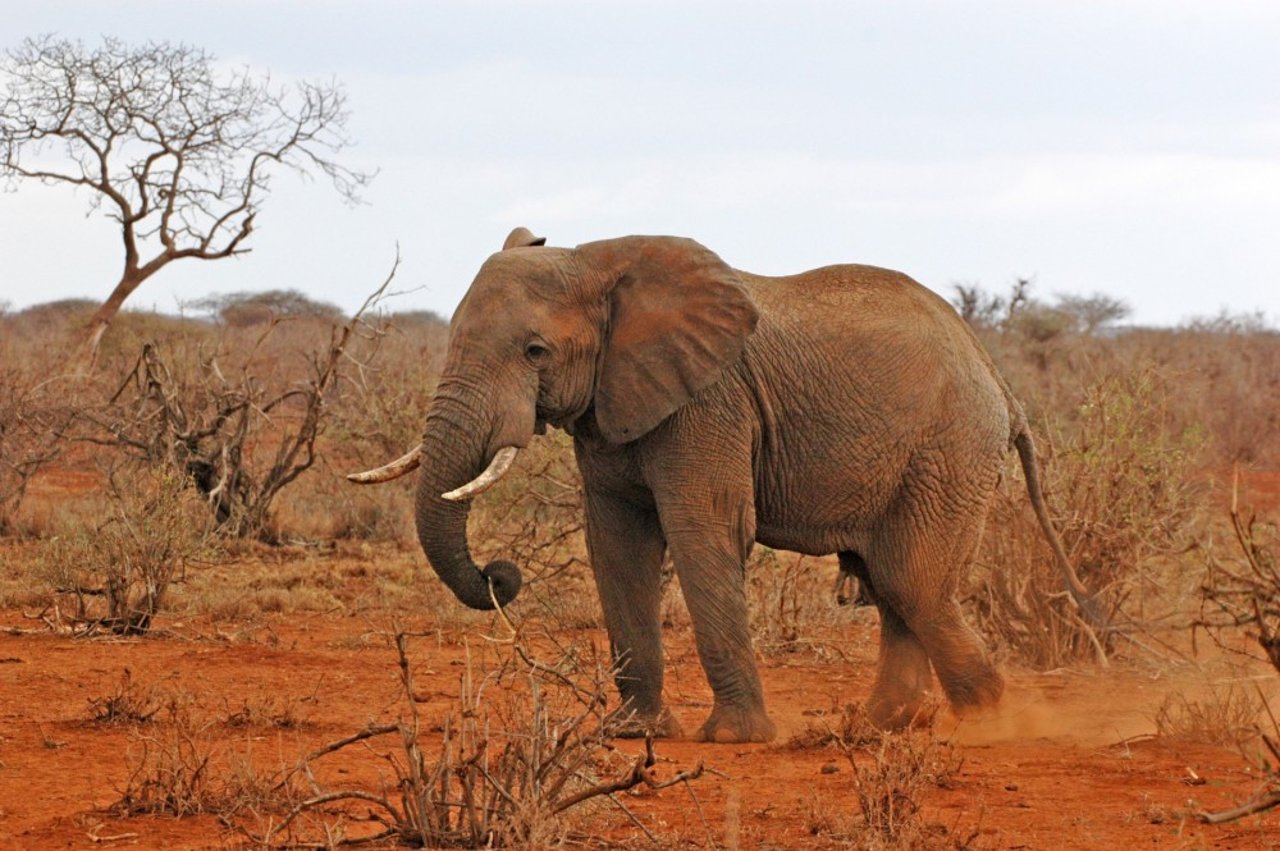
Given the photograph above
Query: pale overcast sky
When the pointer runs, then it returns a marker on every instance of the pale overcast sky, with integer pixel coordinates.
(1124, 146)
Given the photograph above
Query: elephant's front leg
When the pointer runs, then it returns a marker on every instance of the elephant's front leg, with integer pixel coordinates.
(709, 545)
(626, 547)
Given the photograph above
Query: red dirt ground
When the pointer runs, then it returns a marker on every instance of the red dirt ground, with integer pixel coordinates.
(1070, 762)
(1067, 765)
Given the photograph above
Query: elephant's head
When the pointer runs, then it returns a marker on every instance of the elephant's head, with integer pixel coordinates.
(619, 333)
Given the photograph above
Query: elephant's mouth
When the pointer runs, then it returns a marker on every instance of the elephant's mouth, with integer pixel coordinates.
(560, 419)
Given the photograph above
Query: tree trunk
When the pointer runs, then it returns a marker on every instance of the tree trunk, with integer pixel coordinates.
(97, 324)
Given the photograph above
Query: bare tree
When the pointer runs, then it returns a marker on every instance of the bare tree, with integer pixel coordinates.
(179, 152)
(978, 307)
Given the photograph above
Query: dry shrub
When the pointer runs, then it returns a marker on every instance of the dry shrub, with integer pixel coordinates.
(534, 516)
(179, 767)
(332, 510)
(375, 412)
(218, 429)
(171, 769)
(380, 408)
(792, 606)
(32, 415)
(526, 742)
(1231, 365)
(270, 712)
(239, 411)
(902, 769)
(851, 728)
(1223, 716)
(116, 574)
(1226, 368)
(1120, 478)
(1244, 591)
(127, 703)
(17, 588)
(891, 774)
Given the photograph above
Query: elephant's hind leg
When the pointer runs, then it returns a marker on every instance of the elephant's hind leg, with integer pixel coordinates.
(969, 678)
(914, 578)
(902, 675)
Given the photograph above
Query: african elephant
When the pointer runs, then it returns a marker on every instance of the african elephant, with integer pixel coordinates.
(843, 410)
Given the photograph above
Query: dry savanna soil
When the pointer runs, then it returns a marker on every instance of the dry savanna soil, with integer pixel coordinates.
(1073, 758)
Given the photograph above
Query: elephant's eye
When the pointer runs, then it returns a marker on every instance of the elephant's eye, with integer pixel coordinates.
(536, 352)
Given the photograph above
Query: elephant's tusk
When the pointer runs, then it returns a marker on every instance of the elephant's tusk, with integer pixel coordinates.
(496, 470)
(403, 465)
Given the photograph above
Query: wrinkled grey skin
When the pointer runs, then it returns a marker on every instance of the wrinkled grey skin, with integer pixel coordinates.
(843, 410)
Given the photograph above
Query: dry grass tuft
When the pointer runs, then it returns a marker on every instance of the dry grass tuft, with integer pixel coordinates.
(891, 775)
(269, 712)
(127, 703)
(847, 725)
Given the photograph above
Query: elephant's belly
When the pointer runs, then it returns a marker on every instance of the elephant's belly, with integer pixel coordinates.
(819, 510)
(811, 542)
(812, 530)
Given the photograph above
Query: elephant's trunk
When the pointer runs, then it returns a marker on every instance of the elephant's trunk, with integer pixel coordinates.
(453, 454)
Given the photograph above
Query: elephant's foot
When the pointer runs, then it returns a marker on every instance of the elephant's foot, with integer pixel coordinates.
(975, 694)
(733, 724)
(893, 715)
(632, 725)
(898, 699)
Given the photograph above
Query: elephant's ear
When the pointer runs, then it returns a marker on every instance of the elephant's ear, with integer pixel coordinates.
(522, 238)
(677, 317)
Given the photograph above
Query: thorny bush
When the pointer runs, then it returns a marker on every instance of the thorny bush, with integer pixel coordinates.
(215, 412)
(180, 765)
(1119, 478)
(1244, 591)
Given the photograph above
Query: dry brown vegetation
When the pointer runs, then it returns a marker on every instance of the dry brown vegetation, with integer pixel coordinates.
(190, 489)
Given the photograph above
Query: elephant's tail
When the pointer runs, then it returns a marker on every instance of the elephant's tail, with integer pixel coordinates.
(1095, 617)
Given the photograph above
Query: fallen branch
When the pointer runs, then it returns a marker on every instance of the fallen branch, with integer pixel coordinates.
(1260, 804)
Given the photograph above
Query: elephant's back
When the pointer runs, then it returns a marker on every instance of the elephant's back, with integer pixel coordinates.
(873, 317)
(850, 293)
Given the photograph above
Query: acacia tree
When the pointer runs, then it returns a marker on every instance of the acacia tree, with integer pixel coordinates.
(176, 150)
(1093, 312)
